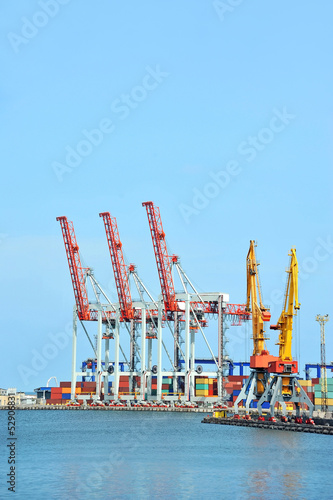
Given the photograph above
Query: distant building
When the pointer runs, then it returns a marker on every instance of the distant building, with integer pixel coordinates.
(20, 397)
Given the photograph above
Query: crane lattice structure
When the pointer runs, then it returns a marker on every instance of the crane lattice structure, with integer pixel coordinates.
(323, 372)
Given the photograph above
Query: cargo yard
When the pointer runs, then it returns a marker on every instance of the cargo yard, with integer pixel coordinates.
(132, 342)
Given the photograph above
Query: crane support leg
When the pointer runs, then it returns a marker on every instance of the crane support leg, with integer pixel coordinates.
(192, 365)
(159, 353)
(176, 352)
(220, 388)
(99, 355)
(149, 367)
(143, 353)
(73, 385)
(248, 386)
(132, 356)
(106, 366)
(274, 394)
(116, 359)
(187, 347)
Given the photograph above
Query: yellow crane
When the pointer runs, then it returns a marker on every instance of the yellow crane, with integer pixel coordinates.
(284, 386)
(255, 385)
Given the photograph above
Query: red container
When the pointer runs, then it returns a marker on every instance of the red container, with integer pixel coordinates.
(236, 378)
(65, 384)
(56, 390)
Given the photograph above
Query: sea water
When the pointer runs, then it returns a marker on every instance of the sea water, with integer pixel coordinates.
(143, 454)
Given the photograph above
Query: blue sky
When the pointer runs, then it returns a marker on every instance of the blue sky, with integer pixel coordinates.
(219, 113)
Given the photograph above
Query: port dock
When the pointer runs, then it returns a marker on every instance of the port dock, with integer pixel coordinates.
(280, 426)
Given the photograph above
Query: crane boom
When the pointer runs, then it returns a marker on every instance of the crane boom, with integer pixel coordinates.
(260, 314)
(119, 267)
(163, 260)
(76, 270)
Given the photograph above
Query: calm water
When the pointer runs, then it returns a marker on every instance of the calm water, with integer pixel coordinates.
(87, 455)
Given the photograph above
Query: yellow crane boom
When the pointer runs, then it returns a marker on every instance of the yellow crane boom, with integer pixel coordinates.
(254, 300)
(261, 357)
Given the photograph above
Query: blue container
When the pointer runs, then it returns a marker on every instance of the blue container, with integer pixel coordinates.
(265, 405)
(236, 393)
(65, 396)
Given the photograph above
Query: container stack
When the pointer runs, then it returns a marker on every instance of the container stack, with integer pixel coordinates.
(308, 387)
(167, 386)
(202, 386)
(59, 395)
(233, 387)
(123, 385)
(206, 387)
(317, 395)
(154, 386)
(87, 388)
(66, 391)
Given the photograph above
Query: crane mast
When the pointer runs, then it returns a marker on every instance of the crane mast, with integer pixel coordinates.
(260, 314)
(119, 267)
(163, 260)
(77, 272)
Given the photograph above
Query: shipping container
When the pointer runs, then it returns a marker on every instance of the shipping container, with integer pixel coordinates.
(201, 392)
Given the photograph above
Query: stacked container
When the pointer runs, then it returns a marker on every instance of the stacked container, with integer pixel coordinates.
(66, 390)
(317, 394)
(167, 386)
(202, 386)
(154, 386)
